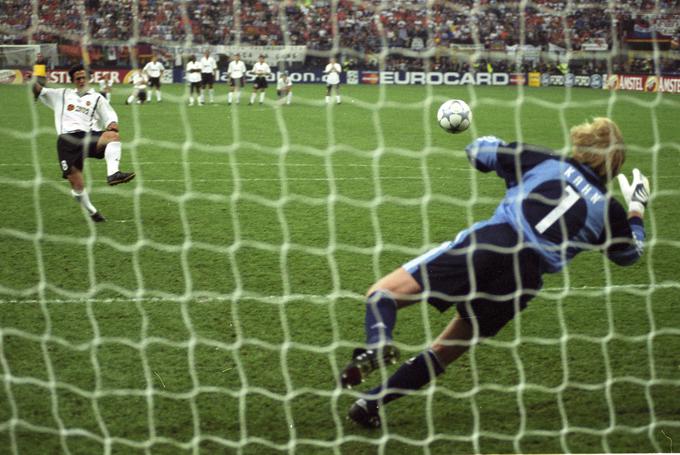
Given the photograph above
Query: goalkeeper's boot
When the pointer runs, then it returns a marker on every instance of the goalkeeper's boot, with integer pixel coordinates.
(365, 414)
(97, 217)
(120, 177)
(364, 362)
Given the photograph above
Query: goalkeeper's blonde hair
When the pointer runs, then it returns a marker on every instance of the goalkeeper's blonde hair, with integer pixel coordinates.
(599, 144)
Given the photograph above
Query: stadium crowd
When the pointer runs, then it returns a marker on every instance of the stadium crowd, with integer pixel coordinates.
(365, 27)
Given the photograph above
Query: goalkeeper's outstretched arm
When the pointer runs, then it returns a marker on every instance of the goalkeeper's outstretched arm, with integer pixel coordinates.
(631, 232)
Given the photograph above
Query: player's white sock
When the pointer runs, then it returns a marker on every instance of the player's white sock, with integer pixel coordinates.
(212, 95)
(191, 100)
(229, 97)
(261, 97)
(289, 97)
(158, 95)
(201, 97)
(84, 200)
(112, 157)
(238, 97)
(131, 99)
(337, 99)
(328, 99)
(252, 98)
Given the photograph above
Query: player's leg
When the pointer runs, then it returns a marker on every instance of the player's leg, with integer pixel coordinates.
(337, 93)
(78, 192)
(414, 374)
(253, 95)
(133, 96)
(389, 294)
(159, 96)
(328, 93)
(70, 153)
(211, 92)
(263, 89)
(239, 87)
(289, 96)
(109, 147)
(201, 97)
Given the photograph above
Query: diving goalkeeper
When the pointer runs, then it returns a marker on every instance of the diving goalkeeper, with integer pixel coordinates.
(554, 208)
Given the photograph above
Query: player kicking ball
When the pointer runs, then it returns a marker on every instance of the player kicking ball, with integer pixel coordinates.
(87, 127)
(554, 208)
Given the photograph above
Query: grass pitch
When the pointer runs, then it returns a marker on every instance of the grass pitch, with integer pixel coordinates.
(214, 309)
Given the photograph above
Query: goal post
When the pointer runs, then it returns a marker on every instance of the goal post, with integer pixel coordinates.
(216, 307)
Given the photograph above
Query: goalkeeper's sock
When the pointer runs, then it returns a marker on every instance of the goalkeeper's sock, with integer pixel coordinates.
(112, 157)
(261, 97)
(381, 317)
(289, 97)
(84, 200)
(412, 375)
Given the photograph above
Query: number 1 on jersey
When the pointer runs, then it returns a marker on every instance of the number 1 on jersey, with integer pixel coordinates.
(555, 214)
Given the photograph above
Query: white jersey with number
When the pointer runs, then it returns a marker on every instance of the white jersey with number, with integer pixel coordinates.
(236, 69)
(208, 65)
(261, 69)
(78, 112)
(333, 70)
(192, 75)
(283, 83)
(138, 80)
(154, 69)
(105, 85)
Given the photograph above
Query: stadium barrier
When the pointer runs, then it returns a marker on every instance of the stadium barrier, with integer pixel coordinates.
(634, 82)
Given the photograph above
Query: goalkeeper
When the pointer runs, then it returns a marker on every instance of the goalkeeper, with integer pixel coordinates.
(554, 208)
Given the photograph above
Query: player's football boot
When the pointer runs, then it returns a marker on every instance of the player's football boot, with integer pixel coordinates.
(120, 177)
(364, 362)
(97, 217)
(364, 414)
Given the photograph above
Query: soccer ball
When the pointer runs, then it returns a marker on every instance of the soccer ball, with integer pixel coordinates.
(454, 116)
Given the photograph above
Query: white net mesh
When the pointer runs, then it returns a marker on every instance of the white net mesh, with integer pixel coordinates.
(214, 310)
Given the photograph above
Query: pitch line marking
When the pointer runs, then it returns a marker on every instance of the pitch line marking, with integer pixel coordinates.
(317, 297)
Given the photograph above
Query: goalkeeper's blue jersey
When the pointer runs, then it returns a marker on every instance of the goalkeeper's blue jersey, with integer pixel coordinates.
(558, 206)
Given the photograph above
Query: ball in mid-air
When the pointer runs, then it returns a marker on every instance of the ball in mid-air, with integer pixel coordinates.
(454, 116)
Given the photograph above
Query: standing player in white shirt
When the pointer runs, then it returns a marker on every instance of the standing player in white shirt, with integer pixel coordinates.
(333, 70)
(105, 86)
(193, 76)
(154, 70)
(208, 69)
(138, 81)
(236, 72)
(80, 115)
(262, 71)
(284, 87)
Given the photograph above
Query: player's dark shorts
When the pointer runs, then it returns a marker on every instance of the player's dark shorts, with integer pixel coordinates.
(207, 78)
(260, 83)
(489, 283)
(73, 147)
(196, 86)
(236, 81)
(155, 82)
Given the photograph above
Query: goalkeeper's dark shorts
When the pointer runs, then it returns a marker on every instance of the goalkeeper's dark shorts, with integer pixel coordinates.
(72, 148)
(483, 272)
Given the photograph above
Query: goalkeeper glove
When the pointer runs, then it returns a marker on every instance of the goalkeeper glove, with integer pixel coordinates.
(635, 192)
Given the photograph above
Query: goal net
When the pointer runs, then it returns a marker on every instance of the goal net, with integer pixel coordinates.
(215, 309)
